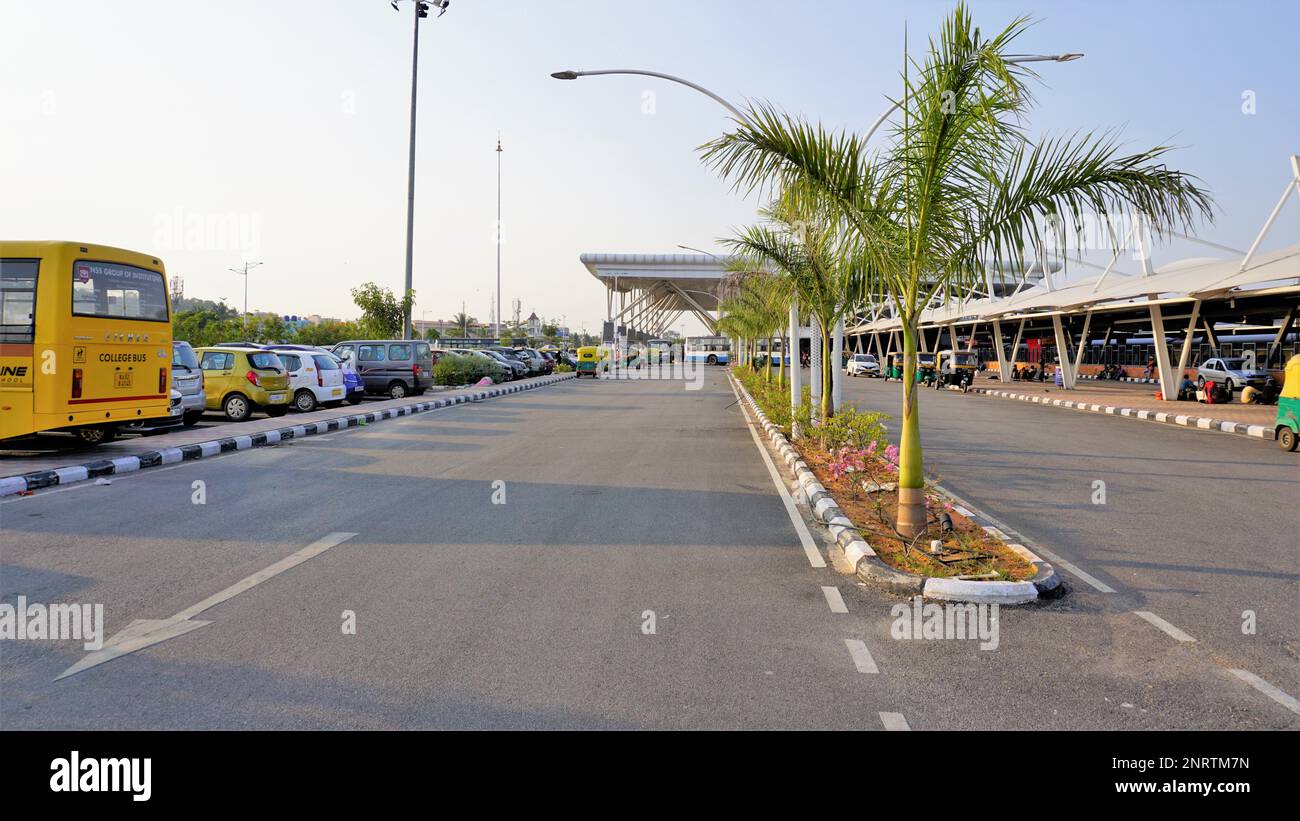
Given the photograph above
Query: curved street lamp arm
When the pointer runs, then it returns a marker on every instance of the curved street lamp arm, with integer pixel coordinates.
(573, 75)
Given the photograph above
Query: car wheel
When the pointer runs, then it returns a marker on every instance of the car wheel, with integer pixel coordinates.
(1286, 439)
(96, 435)
(397, 390)
(304, 401)
(1200, 383)
(236, 407)
(192, 418)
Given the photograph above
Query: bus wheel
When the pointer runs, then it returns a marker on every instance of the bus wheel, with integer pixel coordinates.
(97, 435)
(712, 360)
(236, 407)
(1286, 438)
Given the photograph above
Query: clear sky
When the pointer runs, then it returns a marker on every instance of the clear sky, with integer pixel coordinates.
(214, 131)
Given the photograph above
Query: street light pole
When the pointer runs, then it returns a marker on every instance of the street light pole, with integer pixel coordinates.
(244, 273)
(420, 9)
(498, 239)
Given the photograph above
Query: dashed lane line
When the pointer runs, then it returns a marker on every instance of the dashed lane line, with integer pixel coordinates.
(834, 600)
(894, 722)
(1164, 626)
(861, 656)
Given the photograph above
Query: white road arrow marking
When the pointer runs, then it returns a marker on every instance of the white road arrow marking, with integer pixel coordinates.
(143, 633)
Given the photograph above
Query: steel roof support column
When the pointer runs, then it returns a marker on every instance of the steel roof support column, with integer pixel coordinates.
(1276, 344)
(1004, 369)
(1187, 342)
(1083, 343)
(1063, 354)
(1168, 382)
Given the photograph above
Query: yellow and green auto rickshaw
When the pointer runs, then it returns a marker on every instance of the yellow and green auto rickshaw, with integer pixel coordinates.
(588, 362)
(895, 368)
(926, 367)
(1288, 406)
(956, 369)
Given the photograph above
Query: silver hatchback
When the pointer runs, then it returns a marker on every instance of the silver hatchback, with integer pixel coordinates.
(187, 377)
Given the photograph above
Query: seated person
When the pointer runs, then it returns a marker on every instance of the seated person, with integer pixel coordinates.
(1186, 389)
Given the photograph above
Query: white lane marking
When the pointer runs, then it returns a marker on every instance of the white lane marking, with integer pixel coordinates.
(834, 600)
(894, 722)
(805, 538)
(143, 633)
(861, 656)
(1164, 626)
(1268, 690)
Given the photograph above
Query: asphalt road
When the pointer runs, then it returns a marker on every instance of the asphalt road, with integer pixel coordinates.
(622, 500)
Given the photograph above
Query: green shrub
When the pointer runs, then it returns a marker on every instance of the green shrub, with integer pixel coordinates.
(462, 369)
(563, 368)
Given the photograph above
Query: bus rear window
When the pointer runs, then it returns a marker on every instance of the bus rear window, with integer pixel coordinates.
(117, 291)
(17, 300)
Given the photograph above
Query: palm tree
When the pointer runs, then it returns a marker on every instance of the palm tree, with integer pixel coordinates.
(804, 240)
(960, 188)
(463, 321)
(757, 304)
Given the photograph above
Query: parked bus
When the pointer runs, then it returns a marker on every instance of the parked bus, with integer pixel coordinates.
(85, 339)
(711, 350)
(659, 351)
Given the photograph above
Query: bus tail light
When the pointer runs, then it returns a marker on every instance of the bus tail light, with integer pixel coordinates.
(252, 377)
(162, 380)
(76, 383)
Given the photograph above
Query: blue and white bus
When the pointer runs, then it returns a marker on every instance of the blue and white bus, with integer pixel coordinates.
(711, 350)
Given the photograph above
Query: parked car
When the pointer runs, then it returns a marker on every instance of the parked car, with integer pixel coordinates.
(238, 381)
(518, 370)
(863, 364)
(353, 388)
(187, 377)
(397, 368)
(536, 364)
(1231, 373)
(315, 378)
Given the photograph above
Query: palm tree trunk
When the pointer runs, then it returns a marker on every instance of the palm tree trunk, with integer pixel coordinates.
(911, 477)
(780, 370)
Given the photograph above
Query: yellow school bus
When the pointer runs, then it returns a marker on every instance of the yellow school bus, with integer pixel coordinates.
(85, 339)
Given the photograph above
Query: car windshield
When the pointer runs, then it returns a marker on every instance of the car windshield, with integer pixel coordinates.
(183, 356)
(1234, 364)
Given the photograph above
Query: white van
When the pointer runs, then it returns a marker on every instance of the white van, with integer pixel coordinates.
(315, 378)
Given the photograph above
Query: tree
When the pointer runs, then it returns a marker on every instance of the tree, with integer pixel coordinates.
(431, 334)
(959, 190)
(382, 314)
(463, 321)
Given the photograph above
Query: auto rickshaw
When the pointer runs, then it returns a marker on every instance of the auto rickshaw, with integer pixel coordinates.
(895, 368)
(956, 370)
(588, 361)
(1288, 406)
(926, 367)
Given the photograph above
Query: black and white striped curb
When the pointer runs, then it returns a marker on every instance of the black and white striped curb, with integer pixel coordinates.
(868, 567)
(40, 479)
(1139, 379)
(1196, 422)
